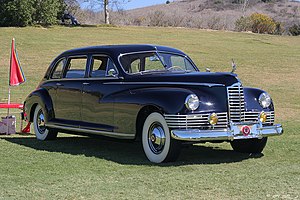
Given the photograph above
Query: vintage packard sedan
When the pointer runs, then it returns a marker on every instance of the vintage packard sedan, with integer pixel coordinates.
(152, 94)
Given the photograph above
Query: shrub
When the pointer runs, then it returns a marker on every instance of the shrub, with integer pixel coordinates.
(243, 24)
(295, 30)
(262, 23)
(157, 19)
(258, 23)
(279, 30)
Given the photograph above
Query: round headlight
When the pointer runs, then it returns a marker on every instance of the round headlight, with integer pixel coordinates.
(265, 100)
(192, 102)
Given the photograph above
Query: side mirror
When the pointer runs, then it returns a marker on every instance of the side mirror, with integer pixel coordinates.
(112, 72)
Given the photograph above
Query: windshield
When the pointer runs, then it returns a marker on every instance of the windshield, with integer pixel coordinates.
(155, 62)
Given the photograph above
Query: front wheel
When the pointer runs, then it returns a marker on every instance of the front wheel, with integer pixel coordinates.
(249, 145)
(156, 140)
(40, 130)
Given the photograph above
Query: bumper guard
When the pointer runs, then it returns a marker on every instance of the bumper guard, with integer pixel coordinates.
(234, 132)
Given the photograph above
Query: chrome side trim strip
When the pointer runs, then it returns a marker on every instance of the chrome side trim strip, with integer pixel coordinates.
(89, 131)
(167, 83)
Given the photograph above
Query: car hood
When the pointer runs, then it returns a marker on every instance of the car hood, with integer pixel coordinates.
(195, 78)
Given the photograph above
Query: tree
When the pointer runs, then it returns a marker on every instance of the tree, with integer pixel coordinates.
(106, 13)
(16, 13)
(105, 4)
(27, 12)
(46, 11)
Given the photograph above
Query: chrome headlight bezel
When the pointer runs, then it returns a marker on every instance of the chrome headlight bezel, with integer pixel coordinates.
(264, 100)
(192, 102)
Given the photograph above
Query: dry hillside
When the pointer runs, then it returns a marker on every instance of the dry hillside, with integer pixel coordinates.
(210, 14)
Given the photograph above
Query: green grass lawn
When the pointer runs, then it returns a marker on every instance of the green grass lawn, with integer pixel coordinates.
(74, 167)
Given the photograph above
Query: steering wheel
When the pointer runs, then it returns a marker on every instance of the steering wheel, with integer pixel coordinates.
(176, 68)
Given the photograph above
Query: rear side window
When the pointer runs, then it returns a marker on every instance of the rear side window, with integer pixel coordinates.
(58, 69)
(76, 67)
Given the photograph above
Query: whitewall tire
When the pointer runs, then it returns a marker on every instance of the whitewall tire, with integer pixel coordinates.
(156, 140)
(40, 130)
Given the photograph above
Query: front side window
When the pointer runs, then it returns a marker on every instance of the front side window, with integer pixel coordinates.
(76, 67)
(102, 66)
(155, 62)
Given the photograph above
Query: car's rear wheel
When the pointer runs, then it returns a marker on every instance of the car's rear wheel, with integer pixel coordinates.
(249, 145)
(40, 130)
(156, 140)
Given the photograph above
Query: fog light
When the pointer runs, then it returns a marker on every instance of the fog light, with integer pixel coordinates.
(263, 117)
(213, 119)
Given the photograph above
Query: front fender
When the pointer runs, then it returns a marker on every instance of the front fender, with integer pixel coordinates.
(169, 100)
(129, 103)
(41, 97)
(251, 99)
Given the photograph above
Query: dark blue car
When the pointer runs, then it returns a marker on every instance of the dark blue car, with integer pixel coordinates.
(153, 94)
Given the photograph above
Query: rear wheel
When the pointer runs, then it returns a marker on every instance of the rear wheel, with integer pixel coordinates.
(40, 130)
(249, 145)
(156, 140)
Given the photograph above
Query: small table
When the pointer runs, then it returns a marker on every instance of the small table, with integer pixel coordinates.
(16, 106)
(11, 105)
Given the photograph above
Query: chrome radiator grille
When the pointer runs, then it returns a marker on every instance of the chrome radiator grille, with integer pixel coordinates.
(251, 116)
(236, 103)
(199, 121)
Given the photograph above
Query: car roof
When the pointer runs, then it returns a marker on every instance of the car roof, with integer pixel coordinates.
(116, 50)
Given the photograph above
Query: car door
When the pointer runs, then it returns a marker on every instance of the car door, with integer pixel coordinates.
(97, 102)
(69, 92)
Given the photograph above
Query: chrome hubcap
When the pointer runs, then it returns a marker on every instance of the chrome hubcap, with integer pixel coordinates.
(41, 122)
(156, 138)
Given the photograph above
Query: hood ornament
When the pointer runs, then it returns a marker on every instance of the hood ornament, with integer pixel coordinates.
(233, 66)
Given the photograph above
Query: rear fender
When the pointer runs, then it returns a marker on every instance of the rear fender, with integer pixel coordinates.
(41, 97)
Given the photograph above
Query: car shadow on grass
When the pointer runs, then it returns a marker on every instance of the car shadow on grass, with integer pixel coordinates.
(130, 153)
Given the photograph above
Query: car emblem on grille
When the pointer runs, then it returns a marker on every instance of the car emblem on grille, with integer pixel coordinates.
(246, 130)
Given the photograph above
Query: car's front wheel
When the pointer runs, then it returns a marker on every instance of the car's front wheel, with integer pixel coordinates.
(40, 130)
(156, 140)
(249, 145)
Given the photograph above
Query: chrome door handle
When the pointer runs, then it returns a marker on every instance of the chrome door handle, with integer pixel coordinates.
(58, 84)
(86, 83)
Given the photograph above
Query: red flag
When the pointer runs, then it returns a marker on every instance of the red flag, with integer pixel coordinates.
(16, 76)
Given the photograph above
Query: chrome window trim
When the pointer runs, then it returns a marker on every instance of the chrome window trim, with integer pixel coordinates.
(83, 79)
(154, 51)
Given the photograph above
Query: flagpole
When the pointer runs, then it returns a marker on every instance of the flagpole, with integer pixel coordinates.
(9, 72)
(8, 102)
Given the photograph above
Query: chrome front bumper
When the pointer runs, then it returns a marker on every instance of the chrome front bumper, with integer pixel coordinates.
(234, 132)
